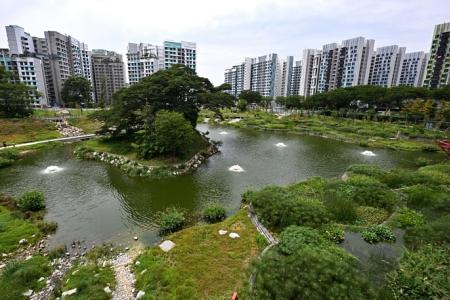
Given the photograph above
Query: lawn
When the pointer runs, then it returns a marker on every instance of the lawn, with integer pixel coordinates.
(203, 264)
(86, 124)
(13, 229)
(15, 131)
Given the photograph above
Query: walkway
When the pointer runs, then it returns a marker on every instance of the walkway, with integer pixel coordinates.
(63, 139)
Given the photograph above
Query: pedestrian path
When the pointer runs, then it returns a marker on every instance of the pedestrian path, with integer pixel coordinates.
(63, 139)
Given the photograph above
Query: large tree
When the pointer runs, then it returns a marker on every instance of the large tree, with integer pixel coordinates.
(251, 96)
(178, 89)
(15, 97)
(76, 90)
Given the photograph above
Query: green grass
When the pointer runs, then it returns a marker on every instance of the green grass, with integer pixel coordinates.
(364, 132)
(86, 124)
(73, 112)
(203, 264)
(13, 229)
(90, 281)
(15, 131)
(19, 276)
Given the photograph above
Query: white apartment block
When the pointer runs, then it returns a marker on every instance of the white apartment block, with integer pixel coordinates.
(239, 77)
(385, 65)
(310, 72)
(80, 58)
(296, 78)
(30, 71)
(412, 69)
(19, 41)
(184, 53)
(264, 75)
(438, 67)
(330, 74)
(356, 53)
(143, 60)
(285, 76)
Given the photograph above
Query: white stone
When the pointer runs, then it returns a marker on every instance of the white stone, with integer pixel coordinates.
(28, 293)
(223, 232)
(234, 235)
(69, 292)
(167, 245)
(236, 168)
(143, 271)
(135, 238)
(368, 153)
(41, 279)
(107, 290)
(137, 263)
(28, 257)
(281, 145)
(140, 294)
(23, 242)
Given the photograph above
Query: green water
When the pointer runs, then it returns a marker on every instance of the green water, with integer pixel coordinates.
(97, 203)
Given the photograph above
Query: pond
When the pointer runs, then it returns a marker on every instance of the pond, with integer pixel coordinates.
(97, 203)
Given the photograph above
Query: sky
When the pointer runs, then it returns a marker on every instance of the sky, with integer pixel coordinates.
(228, 31)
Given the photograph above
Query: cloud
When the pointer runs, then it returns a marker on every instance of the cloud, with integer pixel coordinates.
(228, 31)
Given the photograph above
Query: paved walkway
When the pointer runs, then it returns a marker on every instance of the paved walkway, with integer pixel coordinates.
(63, 139)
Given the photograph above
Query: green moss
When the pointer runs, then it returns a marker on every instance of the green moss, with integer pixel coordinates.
(15, 229)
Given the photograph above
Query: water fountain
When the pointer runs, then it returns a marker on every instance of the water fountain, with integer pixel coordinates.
(368, 153)
(236, 168)
(52, 169)
(223, 132)
(280, 145)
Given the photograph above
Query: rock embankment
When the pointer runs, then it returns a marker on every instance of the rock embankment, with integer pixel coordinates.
(68, 130)
(134, 168)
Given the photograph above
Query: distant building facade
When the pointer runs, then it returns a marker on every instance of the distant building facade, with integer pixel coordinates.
(412, 69)
(438, 68)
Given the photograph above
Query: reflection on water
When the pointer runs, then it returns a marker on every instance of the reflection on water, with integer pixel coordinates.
(95, 202)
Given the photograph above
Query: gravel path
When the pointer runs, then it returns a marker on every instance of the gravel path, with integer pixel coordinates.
(124, 277)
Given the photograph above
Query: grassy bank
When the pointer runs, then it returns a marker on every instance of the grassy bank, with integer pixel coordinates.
(16, 131)
(363, 132)
(203, 264)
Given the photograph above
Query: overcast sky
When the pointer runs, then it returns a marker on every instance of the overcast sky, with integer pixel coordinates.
(228, 31)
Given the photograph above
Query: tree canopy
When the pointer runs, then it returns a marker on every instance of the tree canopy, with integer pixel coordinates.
(15, 96)
(251, 96)
(76, 90)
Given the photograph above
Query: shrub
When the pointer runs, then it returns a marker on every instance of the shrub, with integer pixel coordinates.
(429, 148)
(408, 218)
(342, 209)
(294, 238)
(31, 201)
(422, 161)
(366, 169)
(214, 213)
(57, 252)
(310, 273)
(378, 233)
(435, 232)
(171, 220)
(422, 274)
(333, 233)
(431, 200)
(4, 162)
(10, 154)
(402, 178)
(47, 227)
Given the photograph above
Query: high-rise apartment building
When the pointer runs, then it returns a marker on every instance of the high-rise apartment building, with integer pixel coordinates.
(184, 53)
(438, 68)
(296, 78)
(330, 72)
(19, 41)
(108, 74)
(285, 76)
(310, 72)
(356, 55)
(385, 66)
(146, 59)
(265, 74)
(66, 57)
(412, 69)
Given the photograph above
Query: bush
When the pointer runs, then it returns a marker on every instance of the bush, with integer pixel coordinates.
(432, 201)
(333, 233)
(172, 134)
(294, 238)
(47, 227)
(310, 273)
(31, 201)
(342, 209)
(4, 162)
(214, 213)
(406, 218)
(422, 274)
(435, 232)
(366, 169)
(171, 220)
(378, 233)
(57, 252)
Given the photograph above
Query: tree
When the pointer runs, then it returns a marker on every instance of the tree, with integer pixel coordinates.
(251, 96)
(76, 90)
(178, 89)
(171, 134)
(15, 97)
(293, 101)
(242, 104)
